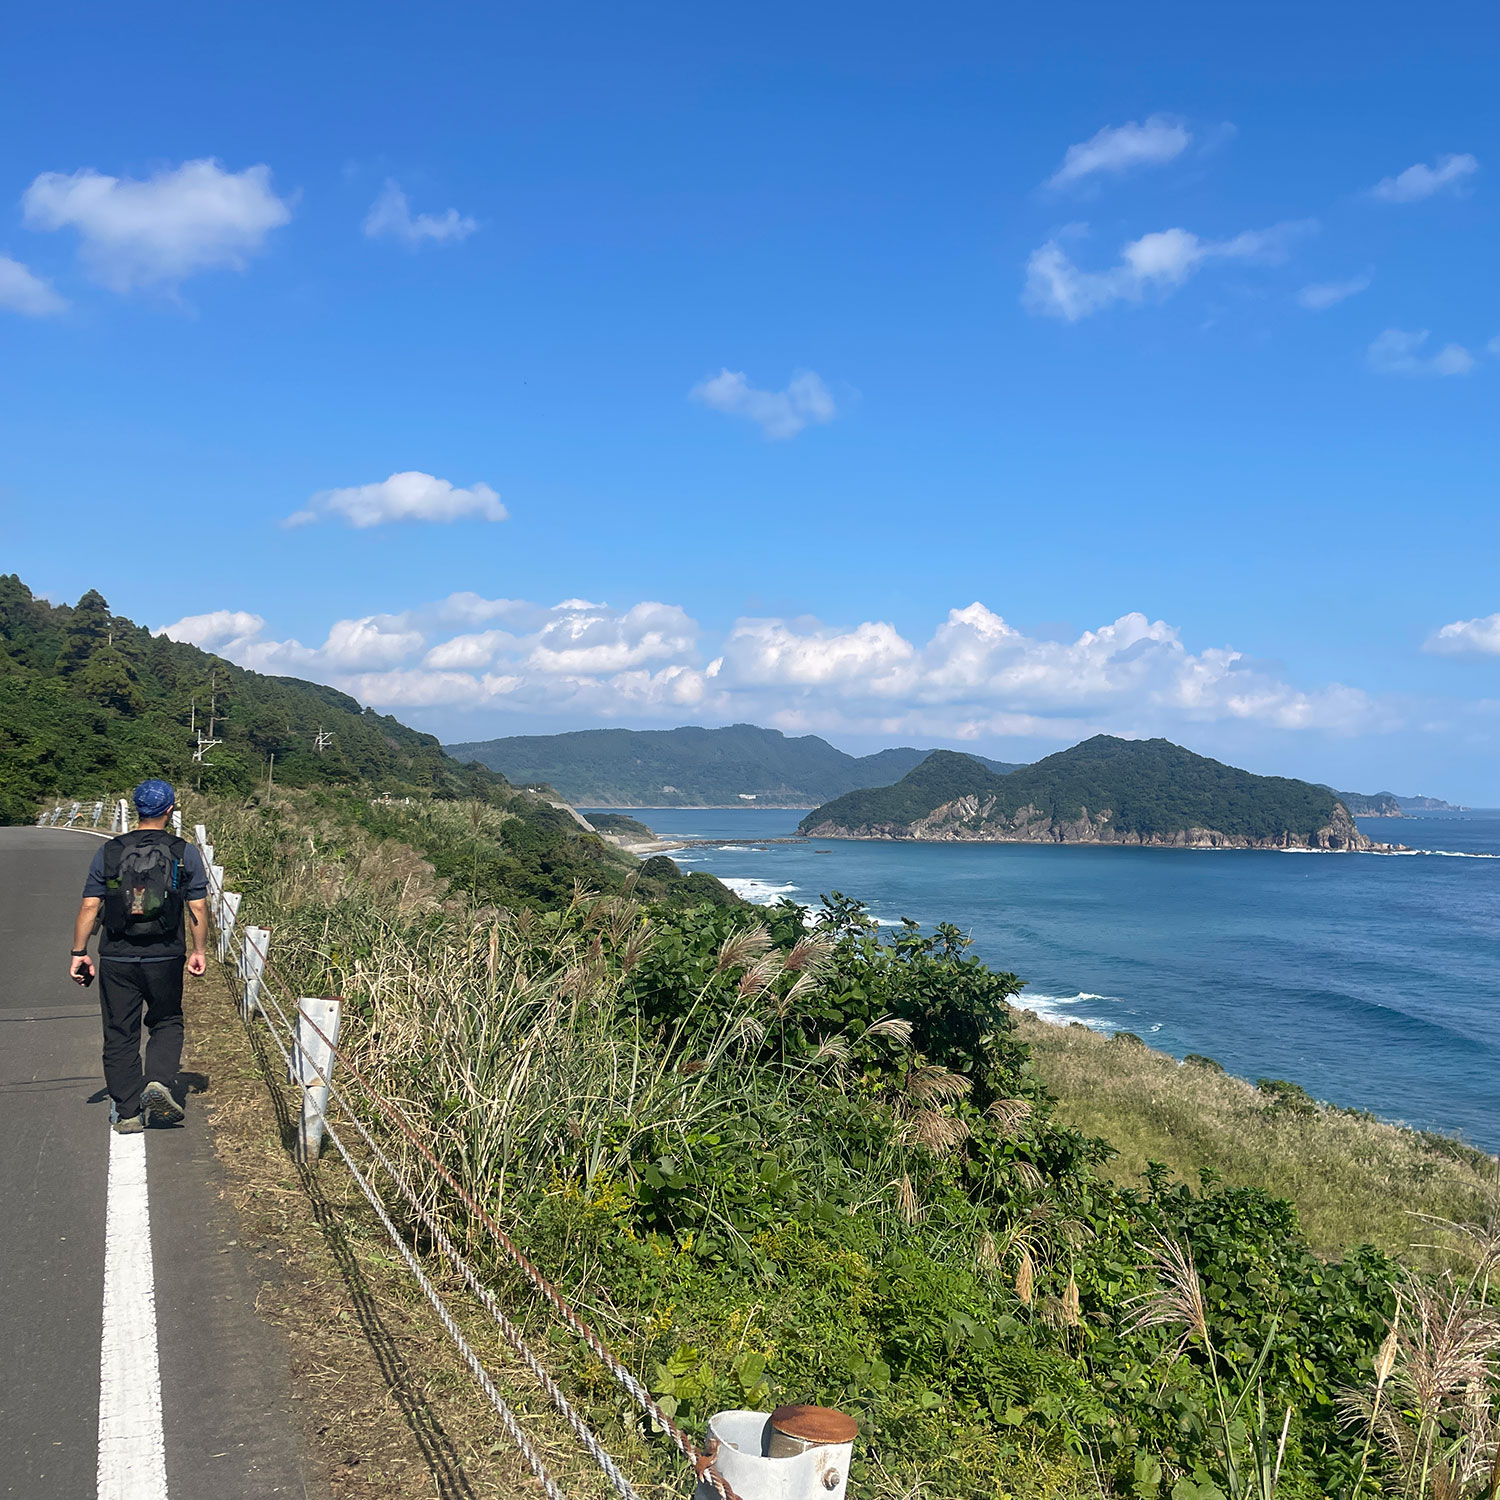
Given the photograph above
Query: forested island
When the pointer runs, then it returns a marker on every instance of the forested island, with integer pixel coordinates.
(1104, 791)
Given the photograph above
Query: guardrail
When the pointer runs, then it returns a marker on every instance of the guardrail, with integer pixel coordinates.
(309, 1047)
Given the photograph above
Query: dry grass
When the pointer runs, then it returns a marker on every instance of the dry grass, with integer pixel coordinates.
(387, 1409)
(1353, 1179)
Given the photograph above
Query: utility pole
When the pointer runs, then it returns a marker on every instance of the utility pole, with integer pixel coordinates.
(271, 774)
(322, 739)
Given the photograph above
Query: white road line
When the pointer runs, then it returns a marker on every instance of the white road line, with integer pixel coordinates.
(132, 1453)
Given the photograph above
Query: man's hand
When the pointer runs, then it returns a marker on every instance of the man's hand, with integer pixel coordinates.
(81, 970)
(197, 964)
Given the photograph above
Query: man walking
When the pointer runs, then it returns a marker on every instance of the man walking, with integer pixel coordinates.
(139, 886)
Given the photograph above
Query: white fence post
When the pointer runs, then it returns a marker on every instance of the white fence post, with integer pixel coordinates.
(200, 835)
(229, 909)
(177, 821)
(800, 1453)
(73, 816)
(257, 943)
(98, 811)
(216, 891)
(121, 823)
(314, 1061)
(207, 851)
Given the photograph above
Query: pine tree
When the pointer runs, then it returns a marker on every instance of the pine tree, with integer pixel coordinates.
(88, 631)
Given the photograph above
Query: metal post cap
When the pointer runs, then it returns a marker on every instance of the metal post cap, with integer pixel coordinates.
(814, 1425)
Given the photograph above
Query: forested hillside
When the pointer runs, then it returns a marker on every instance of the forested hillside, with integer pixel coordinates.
(738, 765)
(91, 702)
(1105, 790)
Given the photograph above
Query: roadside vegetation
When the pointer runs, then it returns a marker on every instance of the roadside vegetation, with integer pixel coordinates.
(781, 1162)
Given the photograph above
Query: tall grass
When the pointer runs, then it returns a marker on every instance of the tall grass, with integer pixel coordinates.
(1354, 1179)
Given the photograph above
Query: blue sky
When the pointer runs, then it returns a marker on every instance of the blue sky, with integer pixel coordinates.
(981, 376)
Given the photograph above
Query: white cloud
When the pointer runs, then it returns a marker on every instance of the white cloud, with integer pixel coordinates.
(23, 291)
(1399, 352)
(182, 220)
(589, 640)
(1156, 263)
(978, 674)
(474, 609)
(776, 653)
(1118, 148)
(1422, 181)
(390, 217)
(352, 645)
(469, 652)
(1479, 637)
(216, 629)
(975, 675)
(1321, 295)
(780, 414)
(409, 496)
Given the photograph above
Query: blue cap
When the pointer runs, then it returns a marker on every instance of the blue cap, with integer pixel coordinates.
(152, 798)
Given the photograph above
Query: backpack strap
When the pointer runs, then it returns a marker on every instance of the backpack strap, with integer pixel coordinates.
(113, 851)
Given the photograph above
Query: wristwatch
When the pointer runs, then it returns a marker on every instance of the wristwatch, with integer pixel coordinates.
(80, 953)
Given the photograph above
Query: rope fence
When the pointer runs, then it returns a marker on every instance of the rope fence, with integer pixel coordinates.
(305, 1034)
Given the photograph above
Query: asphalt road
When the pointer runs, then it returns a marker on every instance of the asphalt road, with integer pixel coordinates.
(224, 1384)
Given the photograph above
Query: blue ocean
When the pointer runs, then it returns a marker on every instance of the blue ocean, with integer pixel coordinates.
(1371, 980)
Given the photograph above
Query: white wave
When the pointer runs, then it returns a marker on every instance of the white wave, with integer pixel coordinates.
(1447, 853)
(758, 892)
(1054, 1009)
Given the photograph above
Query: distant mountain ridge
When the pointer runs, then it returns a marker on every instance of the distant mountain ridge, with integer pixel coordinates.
(740, 765)
(1103, 791)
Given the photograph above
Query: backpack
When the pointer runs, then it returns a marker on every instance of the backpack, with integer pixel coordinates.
(143, 881)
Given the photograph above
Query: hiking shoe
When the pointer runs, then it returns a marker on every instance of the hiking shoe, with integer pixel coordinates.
(130, 1125)
(158, 1103)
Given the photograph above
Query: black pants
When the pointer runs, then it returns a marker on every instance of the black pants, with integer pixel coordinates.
(125, 991)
